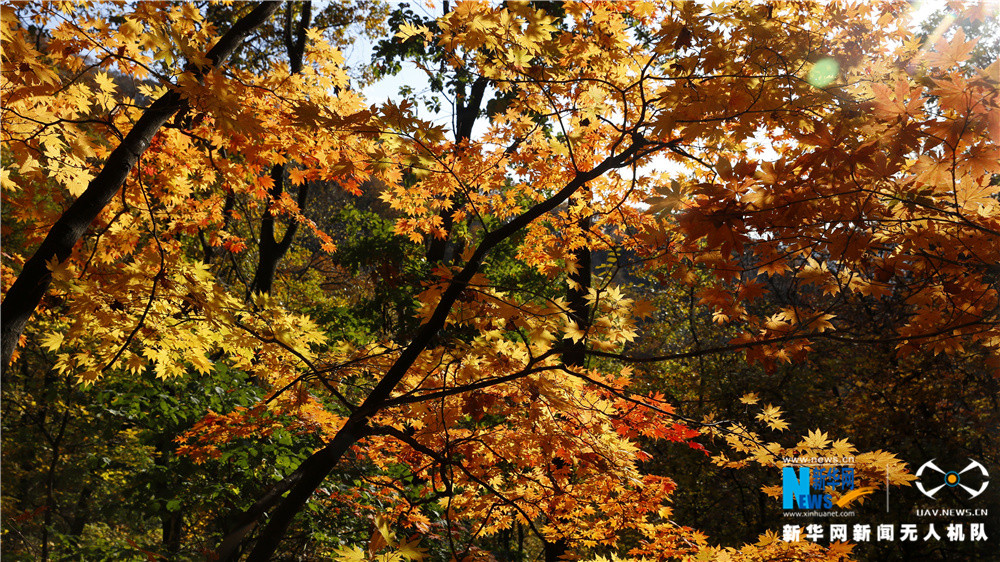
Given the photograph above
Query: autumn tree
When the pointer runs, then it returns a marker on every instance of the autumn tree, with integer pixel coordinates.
(814, 154)
(74, 422)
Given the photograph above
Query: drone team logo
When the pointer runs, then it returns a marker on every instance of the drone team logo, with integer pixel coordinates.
(951, 479)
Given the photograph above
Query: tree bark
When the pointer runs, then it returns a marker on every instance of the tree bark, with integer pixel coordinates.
(81, 513)
(465, 117)
(271, 249)
(30, 286)
(576, 297)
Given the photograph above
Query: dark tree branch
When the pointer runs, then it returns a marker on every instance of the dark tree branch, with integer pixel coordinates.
(466, 113)
(315, 469)
(271, 250)
(30, 286)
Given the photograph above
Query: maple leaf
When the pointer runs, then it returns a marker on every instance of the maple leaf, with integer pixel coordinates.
(351, 554)
(573, 332)
(771, 415)
(105, 82)
(407, 30)
(412, 551)
(53, 341)
(842, 448)
(815, 440)
(951, 52)
(840, 550)
(643, 308)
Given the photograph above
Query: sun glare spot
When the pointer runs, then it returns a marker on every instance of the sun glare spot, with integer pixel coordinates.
(824, 72)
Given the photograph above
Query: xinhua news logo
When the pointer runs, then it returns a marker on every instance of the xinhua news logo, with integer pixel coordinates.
(805, 488)
(936, 479)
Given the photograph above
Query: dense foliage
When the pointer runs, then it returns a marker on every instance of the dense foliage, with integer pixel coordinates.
(659, 247)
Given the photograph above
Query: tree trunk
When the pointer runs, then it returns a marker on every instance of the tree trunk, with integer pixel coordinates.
(443, 249)
(576, 353)
(81, 512)
(28, 289)
(271, 249)
(310, 474)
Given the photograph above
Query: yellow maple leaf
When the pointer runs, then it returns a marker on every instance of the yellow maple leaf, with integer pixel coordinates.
(408, 30)
(840, 550)
(412, 551)
(842, 448)
(771, 415)
(815, 439)
(105, 82)
(52, 341)
(573, 332)
(350, 554)
(5, 182)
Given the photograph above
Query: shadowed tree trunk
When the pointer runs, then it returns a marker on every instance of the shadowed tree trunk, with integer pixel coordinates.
(576, 353)
(301, 484)
(30, 286)
(467, 111)
(271, 249)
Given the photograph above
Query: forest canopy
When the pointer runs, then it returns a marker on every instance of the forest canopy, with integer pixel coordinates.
(584, 295)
